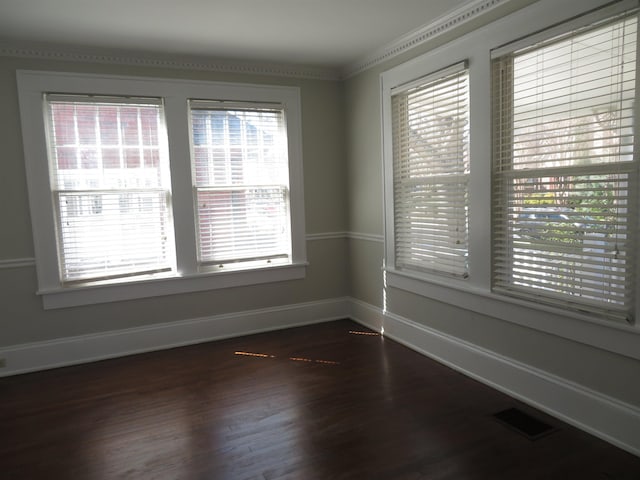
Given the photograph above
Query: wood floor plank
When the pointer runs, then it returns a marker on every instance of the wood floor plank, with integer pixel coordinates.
(328, 401)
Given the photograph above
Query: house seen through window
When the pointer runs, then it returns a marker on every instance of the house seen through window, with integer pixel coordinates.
(565, 170)
(145, 187)
(241, 182)
(111, 186)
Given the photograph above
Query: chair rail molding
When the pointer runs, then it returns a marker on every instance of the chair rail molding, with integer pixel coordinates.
(17, 263)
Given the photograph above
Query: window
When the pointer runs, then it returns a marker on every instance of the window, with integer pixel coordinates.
(565, 170)
(110, 184)
(137, 189)
(430, 121)
(551, 197)
(239, 155)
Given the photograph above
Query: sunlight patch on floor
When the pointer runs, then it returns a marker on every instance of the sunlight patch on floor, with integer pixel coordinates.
(293, 359)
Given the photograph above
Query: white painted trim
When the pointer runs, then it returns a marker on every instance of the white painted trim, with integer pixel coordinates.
(600, 415)
(474, 293)
(605, 417)
(17, 263)
(156, 287)
(141, 59)
(420, 36)
(413, 39)
(369, 237)
(89, 348)
(618, 338)
(311, 237)
(367, 315)
(186, 275)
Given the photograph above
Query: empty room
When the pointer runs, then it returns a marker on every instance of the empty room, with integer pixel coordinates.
(354, 239)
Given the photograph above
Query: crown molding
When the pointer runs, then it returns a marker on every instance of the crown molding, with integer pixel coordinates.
(418, 37)
(70, 54)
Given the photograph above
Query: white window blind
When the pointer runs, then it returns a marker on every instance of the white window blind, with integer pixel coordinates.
(565, 171)
(430, 135)
(110, 186)
(241, 182)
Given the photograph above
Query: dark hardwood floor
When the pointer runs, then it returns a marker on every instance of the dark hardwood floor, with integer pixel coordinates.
(328, 401)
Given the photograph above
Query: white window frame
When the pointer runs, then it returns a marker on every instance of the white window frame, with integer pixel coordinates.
(436, 258)
(474, 294)
(520, 267)
(187, 277)
(262, 171)
(413, 72)
(85, 238)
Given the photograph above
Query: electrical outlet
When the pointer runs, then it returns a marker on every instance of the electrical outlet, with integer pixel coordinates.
(3, 362)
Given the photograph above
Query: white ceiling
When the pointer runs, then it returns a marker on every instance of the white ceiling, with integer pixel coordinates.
(323, 33)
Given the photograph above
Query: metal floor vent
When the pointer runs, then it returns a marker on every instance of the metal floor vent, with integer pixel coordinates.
(523, 423)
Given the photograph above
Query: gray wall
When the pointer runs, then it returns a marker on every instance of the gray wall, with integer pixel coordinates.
(605, 372)
(343, 192)
(22, 318)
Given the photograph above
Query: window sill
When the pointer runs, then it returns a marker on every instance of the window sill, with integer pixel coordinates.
(614, 337)
(155, 286)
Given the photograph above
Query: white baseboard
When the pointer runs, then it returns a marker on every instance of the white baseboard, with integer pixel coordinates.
(607, 418)
(367, 315)
(603, 416)
(88, 348)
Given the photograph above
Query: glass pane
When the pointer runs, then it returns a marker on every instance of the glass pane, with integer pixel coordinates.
(573, 100)
(242, 224)
(107, 234)
(86, 123)
(129, 125)
(110, 181)
(565, 170)
(240, 167)
(431, 169)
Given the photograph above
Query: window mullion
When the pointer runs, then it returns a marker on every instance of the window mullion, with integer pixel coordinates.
(182, 182)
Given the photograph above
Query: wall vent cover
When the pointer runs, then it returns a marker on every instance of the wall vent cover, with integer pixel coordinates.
(523, 423)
